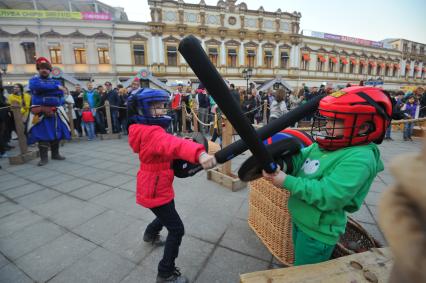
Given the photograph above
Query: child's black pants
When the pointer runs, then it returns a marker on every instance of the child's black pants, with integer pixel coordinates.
(166, 215)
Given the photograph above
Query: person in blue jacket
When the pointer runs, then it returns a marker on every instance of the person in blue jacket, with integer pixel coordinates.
(48, 122)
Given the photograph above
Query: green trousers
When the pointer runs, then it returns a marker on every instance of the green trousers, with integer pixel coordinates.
(307, 250)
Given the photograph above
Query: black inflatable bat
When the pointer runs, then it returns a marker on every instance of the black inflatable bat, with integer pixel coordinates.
(270, 129)
(198, 60)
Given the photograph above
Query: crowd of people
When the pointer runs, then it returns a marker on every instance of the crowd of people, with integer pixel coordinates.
(89, 113)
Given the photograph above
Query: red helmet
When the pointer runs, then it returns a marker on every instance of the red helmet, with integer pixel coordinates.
(364, 111)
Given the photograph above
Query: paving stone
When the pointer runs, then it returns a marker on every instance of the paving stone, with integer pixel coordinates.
(37, 198)
(374, 211)
(240, 237)
(69, 212)
(48, 260)
(116, 180)
(129, 242)
(129, 186)
(42, 175)
(2, 199)
(75, 184)
(114, 199)
(207, 225)
(243, 211)
(7, 208)
(378, 186)
(103, 227)
(29, 238)
(90, 191)
(22, 190)
(54, 180)
(373, 198)
(228, 205)
(17, 221)
(99, 266)
(3, 262)
(10, 273)
(12, 183)
(220, 270)
(363, 215)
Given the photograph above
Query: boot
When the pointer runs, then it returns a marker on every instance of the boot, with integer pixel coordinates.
(175, 277)
(154, 240)
(54, 146)
(43, 148)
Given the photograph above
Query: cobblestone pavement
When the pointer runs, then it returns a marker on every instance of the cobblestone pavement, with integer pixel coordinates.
(77, 220)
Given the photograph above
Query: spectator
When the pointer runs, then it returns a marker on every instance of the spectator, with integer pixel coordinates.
(411, 109)
(21, 98)
(91, 97)
(235, 94)
(100, 118)
(421, 98)
(186, 99)
(296, 98)
(3, 128)
(88, 122)
(278, 107)
(114, 101)
(122, 93)
(203, 103)
(249, 104)
(176, 99)
(69, 100)
(77, 95)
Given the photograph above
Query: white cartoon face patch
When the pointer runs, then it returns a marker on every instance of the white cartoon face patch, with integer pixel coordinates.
(310, 166)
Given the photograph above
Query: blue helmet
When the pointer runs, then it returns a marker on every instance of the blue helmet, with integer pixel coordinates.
(139, 107)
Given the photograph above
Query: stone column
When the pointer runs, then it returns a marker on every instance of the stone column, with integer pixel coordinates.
(260, 55)
(241, 55)
(222, 54)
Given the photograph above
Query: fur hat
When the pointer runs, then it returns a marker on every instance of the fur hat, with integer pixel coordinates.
(42, 62)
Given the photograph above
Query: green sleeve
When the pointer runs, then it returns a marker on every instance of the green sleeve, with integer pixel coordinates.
(299, 158)
(84, 97)
(336, 189)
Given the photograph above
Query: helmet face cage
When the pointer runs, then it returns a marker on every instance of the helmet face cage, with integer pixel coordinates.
(141, 108)
(347, 133)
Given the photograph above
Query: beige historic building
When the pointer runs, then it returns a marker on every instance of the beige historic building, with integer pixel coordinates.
(101, 44)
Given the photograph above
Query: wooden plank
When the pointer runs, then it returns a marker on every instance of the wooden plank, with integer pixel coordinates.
(231, 182)
(376, 263)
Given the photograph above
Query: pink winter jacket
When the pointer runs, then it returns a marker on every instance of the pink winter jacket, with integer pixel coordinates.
(157, 149)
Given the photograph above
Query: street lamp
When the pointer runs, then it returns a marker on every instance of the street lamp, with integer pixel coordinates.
(247, 73)
(3, 67)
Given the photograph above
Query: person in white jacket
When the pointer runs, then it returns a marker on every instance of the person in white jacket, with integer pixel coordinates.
(278, 106)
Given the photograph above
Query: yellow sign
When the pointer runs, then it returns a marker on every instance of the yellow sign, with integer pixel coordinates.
(337, 94)
(38, 14)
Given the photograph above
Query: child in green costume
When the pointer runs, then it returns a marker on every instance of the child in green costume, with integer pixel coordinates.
(332, 177)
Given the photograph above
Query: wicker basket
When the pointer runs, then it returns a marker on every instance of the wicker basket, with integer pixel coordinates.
(355, 240)
(270, 220)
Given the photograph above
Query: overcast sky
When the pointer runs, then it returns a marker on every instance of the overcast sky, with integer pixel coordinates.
(366, 19)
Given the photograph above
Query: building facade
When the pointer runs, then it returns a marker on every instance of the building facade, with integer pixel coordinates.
(235, 38)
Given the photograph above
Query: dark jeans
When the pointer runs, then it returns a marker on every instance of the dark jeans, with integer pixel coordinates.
(114, 121)
(177, 121)
(166, 215)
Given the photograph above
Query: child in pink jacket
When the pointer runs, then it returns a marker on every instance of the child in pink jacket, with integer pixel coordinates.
(157, 149)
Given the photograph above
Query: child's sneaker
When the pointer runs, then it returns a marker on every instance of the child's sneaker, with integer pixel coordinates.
(175, 277)
(154, 240)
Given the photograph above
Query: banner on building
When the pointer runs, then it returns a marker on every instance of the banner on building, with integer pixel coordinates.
(344, 38)
(41, 14)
